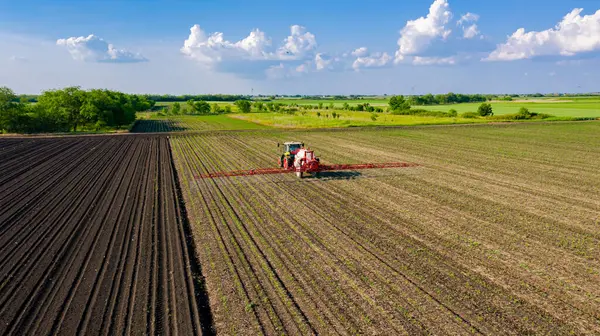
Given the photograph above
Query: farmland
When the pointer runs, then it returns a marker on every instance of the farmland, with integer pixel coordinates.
(94, 239)
(496, 232)
(153, 123)
(585, 108)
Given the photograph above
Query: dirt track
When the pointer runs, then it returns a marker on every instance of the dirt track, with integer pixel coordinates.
(93, 239)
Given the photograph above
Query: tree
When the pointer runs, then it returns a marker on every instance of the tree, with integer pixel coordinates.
(200, 107)
(259, 106)
(398, 103)
(67, 102)
(243, 106)
(524, 113)
(452, 113)
(176, 108)
(227, 109)
(215, 108)
(11, 113)
(485, 109)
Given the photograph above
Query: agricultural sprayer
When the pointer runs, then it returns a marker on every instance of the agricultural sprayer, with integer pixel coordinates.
(297, 159)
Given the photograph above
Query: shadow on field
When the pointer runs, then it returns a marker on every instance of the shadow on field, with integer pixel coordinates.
(153, 126)
(335, 175)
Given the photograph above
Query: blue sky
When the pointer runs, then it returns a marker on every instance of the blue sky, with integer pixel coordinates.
(301, 47)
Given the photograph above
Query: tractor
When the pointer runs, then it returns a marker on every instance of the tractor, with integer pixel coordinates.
(298, 159)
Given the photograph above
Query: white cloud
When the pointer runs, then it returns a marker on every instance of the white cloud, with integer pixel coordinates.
(417, 60)
(252, 55)
(417, 35)
(298, 44)
(573, 35)
(375, 60)
(325, 62)
(213, 49)
(469, 17)
(359, 52)
(471, 30)
(94, 49)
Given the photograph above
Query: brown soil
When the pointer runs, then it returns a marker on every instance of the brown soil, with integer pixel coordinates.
(94, 239)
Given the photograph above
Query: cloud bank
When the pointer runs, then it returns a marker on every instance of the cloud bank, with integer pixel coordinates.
(575, 34)
(94, 49)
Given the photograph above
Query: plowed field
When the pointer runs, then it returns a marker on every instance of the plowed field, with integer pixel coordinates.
(496, 232)
(93, 239)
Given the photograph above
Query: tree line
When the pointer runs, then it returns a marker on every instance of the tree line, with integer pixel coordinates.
(205, 97)
(69, 109)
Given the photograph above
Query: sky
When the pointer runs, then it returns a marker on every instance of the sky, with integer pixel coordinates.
(304, 47)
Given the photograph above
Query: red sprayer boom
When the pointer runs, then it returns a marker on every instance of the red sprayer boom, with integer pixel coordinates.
(297, 159)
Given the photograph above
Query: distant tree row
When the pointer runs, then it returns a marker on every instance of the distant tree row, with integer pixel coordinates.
(185, 98)
(448, 98)
(69, 109)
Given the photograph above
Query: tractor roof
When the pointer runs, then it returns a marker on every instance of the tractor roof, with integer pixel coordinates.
(293, 143)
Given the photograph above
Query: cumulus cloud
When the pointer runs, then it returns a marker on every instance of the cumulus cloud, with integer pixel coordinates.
(370, 60)
(360, 52)
(469, 17)
(253, 54)
(469, 31)
(575, 34)
(416, 36)
(324, 61)
(94, 49)
(213, 49)
(298, 44)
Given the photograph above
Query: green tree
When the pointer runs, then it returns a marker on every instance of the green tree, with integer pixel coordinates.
(227, 108)
(524, 113)
(243, 106)
(398, 103)
(11, 113)
(176, 108)
(485, 109)
(215, 108)
(66, 102)
(259, 106)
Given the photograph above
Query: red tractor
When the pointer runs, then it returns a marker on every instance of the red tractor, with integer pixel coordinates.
(299, 159)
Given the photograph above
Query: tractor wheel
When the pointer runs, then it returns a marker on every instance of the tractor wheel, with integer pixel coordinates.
(299, 174)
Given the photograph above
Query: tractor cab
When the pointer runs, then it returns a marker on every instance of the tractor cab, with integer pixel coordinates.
(290, 149)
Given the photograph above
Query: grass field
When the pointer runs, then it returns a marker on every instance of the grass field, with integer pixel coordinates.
(496, 232)
(582, 107)
(152, 122)
(347, 119)
(577, 108)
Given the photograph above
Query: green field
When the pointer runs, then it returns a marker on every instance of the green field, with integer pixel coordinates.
(579, 107)
(584, 108)
(336, 102)
(346, 119)
(153, 122)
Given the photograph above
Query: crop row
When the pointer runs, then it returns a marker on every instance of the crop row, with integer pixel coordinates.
(476, 240)
(93, 239)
